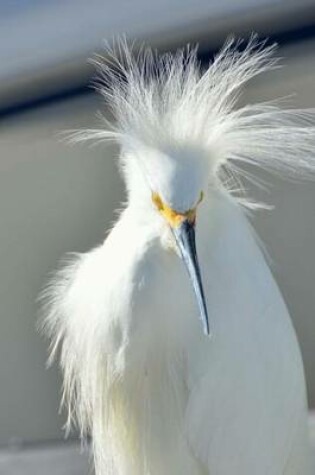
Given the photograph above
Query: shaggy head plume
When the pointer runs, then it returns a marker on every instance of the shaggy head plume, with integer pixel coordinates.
(169, 101)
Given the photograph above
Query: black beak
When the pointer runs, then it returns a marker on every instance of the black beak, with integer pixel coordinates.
(186, 241)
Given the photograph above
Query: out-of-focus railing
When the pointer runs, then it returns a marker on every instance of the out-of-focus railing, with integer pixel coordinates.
(44, 46)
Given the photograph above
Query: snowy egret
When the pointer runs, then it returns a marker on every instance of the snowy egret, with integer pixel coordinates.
(179, 357)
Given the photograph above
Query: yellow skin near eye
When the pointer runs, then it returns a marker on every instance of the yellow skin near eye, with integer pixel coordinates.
(174, 218)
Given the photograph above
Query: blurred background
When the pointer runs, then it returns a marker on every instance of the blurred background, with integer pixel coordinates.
(56, 198)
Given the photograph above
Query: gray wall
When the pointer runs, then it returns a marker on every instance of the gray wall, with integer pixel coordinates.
(56, 198)
(53, 199)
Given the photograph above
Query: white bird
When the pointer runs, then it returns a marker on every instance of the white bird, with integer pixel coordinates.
(175, 367)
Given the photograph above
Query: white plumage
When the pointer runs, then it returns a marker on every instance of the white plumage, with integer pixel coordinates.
(157, 395)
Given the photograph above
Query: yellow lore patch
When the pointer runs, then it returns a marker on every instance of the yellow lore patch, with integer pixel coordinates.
(174, 218)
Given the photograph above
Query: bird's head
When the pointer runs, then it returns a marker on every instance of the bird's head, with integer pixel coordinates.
(181, 219)
(167, 186)
(179, 131)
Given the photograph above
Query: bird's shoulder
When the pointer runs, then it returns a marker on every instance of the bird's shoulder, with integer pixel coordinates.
(103, 275)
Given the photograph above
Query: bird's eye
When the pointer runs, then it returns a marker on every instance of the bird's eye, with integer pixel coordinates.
(157, 201)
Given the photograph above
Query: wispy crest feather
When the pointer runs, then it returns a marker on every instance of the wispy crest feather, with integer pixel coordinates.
(168, 99)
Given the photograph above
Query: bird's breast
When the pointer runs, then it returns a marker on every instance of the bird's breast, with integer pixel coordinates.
(178, 383)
